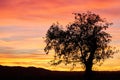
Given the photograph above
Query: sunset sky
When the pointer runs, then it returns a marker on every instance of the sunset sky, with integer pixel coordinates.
(24, 23)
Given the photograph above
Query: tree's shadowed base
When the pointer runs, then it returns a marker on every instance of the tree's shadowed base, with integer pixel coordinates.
(32, 73)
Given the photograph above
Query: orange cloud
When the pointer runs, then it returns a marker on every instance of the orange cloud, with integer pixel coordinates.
(114, 32)
(50, 10)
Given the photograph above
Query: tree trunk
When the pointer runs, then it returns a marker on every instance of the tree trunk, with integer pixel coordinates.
(88, 67)
(88, 72)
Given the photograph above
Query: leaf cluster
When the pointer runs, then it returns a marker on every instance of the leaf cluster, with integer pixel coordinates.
(83, 40)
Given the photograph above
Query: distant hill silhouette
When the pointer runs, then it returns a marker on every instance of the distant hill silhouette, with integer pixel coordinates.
(32, 73)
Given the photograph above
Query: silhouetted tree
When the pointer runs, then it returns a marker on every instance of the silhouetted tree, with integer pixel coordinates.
(84, 41)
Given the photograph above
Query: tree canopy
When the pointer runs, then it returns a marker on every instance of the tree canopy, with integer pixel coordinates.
(83, 41)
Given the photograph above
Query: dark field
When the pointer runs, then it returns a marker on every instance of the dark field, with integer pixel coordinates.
(32, 73)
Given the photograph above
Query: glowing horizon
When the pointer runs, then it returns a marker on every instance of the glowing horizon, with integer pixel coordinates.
(24, 23)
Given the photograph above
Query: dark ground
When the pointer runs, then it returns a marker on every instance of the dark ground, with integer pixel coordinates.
(32, 73)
